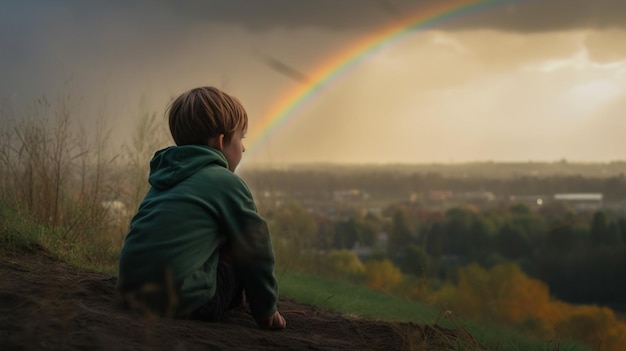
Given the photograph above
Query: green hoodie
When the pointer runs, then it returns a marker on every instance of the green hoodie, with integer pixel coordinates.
(194, 207)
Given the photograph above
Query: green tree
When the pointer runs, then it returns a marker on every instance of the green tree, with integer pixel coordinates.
(458, 224)
(399, 237)
(435, 240)
(346, 234)
(601, 232)
(621, 226)
(512, 243)
(481, 239)
(325, 234)
(520, 209)
(368, 229)
(560, 239)
(416, 262)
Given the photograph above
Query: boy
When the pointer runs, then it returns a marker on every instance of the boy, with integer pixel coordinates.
(197, 242)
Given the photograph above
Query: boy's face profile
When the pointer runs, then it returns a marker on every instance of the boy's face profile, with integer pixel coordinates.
(233, 150)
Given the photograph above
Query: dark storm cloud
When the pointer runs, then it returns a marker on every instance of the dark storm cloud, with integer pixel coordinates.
(36, 36)
(520, 15)
(513, 15)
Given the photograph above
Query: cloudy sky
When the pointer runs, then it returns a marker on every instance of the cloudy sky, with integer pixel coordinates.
(540, 80)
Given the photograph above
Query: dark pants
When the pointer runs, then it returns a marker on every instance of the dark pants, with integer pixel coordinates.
(228, 294)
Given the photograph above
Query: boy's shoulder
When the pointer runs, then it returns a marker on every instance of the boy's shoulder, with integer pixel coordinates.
(224, 178)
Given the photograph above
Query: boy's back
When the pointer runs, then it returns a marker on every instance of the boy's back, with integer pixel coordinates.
(196, 214)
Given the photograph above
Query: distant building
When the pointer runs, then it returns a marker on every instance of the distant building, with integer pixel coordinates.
(440, 195)
(533, 201)
(350, 195)
(485, 196)
(582, 201)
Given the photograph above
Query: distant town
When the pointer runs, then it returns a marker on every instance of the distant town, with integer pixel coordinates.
(581, 186)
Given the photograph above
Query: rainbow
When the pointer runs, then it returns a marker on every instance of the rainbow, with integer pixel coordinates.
(338, 64)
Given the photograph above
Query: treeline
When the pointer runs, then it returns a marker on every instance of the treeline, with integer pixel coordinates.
(505, 265)
(387, 183)
(479, 169)
(581, 256)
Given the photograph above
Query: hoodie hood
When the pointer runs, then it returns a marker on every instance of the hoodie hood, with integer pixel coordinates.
(174, 164)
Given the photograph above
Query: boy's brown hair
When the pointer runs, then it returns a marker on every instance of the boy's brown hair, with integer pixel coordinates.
(202, 113)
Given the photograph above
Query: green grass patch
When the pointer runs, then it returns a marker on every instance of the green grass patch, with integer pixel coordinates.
(355, 300)
(20, 233)
(17, 232)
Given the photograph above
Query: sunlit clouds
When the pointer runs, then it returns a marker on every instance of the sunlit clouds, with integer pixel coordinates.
(441, 97)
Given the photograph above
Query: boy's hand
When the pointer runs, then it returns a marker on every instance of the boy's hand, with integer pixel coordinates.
(276, 321)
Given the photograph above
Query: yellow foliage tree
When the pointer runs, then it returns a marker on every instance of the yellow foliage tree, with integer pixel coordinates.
(519, 297)
(382, 275)
(505, 294)
(473, 296)
(596, 326)
(344, 264)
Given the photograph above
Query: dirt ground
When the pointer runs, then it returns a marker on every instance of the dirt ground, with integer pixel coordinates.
(46, 304)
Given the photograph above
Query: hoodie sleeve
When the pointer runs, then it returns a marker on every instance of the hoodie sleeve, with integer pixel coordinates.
(249, 239)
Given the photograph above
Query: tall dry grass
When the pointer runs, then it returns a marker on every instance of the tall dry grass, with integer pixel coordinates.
(62, 170)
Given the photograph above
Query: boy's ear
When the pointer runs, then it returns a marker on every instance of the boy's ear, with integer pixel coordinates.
(217, 142)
